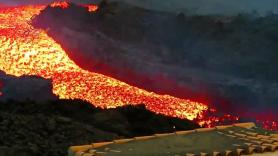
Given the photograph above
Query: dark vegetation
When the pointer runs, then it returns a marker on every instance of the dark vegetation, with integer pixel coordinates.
(48, 129)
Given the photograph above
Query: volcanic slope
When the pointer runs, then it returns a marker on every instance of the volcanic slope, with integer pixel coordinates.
(29, 51)
(202, 55)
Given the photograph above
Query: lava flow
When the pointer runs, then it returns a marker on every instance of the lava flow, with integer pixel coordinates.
(62, 5)
(25, 50)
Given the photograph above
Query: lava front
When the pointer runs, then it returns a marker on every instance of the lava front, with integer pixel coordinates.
(28, 51)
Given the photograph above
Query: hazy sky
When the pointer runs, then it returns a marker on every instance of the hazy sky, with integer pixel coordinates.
(191, 6)
(211, 6)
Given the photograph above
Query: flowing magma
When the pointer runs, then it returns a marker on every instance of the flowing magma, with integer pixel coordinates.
(25, 50)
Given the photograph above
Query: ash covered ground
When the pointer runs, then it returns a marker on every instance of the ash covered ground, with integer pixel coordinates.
(227, 61)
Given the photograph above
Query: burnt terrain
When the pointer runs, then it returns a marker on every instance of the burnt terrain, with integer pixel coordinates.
(49, 128)
(229, 62)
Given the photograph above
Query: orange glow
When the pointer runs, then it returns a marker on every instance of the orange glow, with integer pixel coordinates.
(211, 121)
(28, 51)
(64, 5)
(92, 8)
(60, 4)
(268, 124)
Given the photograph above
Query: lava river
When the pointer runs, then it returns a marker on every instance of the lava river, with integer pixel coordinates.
(25, 50)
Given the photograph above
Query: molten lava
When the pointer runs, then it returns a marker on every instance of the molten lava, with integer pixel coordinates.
(271, 125)
(27, 51)
(92, 8)
(64, 5)
(60, 4)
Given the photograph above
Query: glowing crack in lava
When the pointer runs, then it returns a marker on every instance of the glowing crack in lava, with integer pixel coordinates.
(28, 51)
(64, 5)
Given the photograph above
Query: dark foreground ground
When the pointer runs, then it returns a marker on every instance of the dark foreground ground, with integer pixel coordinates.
(48, 129)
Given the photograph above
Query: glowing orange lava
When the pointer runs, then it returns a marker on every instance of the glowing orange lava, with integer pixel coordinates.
(60, 4)
(271, 125)
(92, 8)
(64, 5)
(28, 51)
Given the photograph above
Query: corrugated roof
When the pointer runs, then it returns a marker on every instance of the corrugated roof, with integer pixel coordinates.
(230, 140)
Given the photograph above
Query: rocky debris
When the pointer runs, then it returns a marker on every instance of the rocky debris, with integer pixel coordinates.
(49, 128)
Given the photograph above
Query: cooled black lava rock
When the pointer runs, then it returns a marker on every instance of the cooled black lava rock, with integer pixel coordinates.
(25, 88)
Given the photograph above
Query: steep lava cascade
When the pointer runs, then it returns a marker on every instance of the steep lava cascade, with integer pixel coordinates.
(27, 51)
